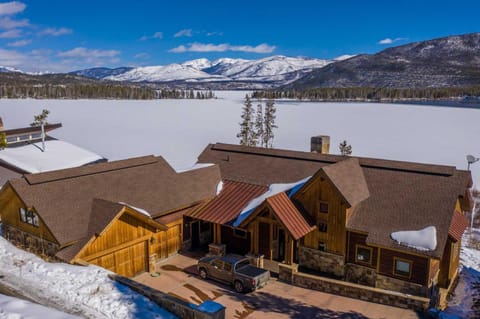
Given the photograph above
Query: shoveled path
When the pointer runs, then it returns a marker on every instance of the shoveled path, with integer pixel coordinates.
(178, 277)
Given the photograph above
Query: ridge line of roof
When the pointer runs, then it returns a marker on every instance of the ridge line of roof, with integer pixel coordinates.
(376, 163)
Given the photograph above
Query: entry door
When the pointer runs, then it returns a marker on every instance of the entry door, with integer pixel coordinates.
(264, 239)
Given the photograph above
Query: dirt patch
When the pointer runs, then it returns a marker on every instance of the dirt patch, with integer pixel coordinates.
(171, 268)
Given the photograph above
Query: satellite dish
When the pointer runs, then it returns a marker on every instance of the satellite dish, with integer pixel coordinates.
(472, 159)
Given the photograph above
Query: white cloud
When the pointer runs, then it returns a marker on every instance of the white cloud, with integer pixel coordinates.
(156, 35)
(11, 58)
(209, 34)
(9, 23)
(209, 47)
(10, 34)
(19, 43)
(11, 7)
(81, 52)
(55, 31)
(142, 55)
(183, 33)
(390, 40)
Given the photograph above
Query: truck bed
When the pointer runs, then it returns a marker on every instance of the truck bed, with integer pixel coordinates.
(251, 271)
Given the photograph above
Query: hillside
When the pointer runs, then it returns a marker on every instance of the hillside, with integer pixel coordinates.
(444, 62)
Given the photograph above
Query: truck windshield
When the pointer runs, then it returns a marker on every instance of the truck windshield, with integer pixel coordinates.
(242, 264)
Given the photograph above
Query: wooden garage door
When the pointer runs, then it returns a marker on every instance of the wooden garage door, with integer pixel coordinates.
(173, 240)
(126, 262)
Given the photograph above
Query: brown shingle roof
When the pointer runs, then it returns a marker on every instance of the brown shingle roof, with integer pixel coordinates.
(289, 216)
(347, 177)
(229, 203)
(458, 226)
(64, 198)
(403, 195)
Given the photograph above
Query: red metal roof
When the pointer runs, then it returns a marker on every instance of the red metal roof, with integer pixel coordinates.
(229, 203)
(289, 215)
(458, 226)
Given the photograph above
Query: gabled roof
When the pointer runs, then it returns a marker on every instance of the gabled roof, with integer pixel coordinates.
(289, 216)
(458, 225)
(225, 208)
(403, 195)
(66, 199)
(347, 177)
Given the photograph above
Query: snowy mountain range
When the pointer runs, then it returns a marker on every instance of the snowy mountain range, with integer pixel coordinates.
(266, 72)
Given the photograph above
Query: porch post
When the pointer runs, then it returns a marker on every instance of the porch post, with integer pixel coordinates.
(217, 234)
(289, 249)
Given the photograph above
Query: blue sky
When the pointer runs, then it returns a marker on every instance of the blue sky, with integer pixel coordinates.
(60, 35)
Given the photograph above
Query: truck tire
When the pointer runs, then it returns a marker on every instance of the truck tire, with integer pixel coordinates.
(203, 273)
(238, 286)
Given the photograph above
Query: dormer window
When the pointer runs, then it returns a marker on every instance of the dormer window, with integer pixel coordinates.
(323, 207)
(29, 217)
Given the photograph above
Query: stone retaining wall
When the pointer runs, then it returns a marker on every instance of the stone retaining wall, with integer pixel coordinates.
(360, 275)
(290, 274)
(321, 261)
(29, 242)
(206, 310)
(389, 283)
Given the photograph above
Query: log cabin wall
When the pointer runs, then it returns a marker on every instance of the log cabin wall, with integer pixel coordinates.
(325, 205)
(356, 241)
(419, 266)
(237, 241)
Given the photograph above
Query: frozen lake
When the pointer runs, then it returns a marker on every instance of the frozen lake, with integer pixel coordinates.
(180, 129)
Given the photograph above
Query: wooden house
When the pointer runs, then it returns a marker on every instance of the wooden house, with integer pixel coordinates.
(122, 215)
(337, 215)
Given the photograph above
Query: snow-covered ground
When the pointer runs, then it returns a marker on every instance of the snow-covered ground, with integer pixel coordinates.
(85, 291)
(180, 129)
(14, 308)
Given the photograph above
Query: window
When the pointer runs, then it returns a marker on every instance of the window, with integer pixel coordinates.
(218, 264)
(36, 136)
(322, 227)
(29, 217)
(364, 254)
(239, 233)
(11, 139)
(227, 267)
(402, 267)
(24, 137)
(323, 207)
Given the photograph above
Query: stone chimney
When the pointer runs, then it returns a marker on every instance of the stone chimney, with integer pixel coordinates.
(320, 144)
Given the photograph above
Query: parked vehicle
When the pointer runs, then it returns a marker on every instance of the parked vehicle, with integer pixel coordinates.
(235, 270)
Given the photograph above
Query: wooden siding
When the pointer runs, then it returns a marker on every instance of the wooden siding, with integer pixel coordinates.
(235, 244)
(355, 239)
(449, 263)
(10, 205)
(320, 190)
(434, 268)
(128, 261)
(419, 271)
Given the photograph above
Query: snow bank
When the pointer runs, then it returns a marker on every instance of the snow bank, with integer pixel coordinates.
(75, 289)
(140, 210)
(274, 189)
(57, 155)
(423, 239)
(14, 308)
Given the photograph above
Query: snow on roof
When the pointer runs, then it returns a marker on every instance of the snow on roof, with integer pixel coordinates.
(194, 167)
(219, 187)
(11, 307)
(423, 239)
(140, 210)
(57, 155)
(273, 189)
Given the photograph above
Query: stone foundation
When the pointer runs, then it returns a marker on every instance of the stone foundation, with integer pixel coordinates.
(360, 275)
(321, 261)
(256, 260)
(290, 274)
(29, 242)
(217, 249)
(402, 286)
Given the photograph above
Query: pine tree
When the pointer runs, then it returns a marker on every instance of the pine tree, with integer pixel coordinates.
(3, 140)
(247, 132)
(40, 118)
(345, 149)
(259, 125)
(269, 124)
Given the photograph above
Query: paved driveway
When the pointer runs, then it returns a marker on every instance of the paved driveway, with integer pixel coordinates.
(179, 277)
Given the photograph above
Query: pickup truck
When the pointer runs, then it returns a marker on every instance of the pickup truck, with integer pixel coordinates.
(235, 270)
